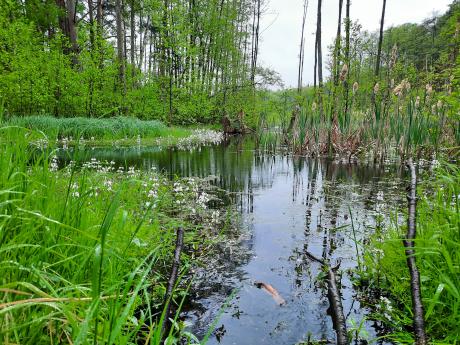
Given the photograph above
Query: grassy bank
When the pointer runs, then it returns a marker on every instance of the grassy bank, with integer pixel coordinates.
(109, 131)
(85, 253)
(438, 257)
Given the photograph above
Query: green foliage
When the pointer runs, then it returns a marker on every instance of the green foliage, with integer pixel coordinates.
(190, 68)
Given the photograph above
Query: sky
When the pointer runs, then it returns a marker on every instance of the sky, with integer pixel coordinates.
(282, 20)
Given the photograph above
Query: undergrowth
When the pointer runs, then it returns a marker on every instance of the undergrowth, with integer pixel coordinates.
(86, 249)
(438, 259)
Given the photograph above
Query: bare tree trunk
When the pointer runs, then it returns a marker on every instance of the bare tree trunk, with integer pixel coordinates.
(320, 60)
(89, 108)
(336, 66)
(144, 44)
(133, 42)
(336, 57)
(315, 68)
(417, 305)
(302, 43)
(99, 14)
(255, 51)
(100, 21)
(379, 50)
(91, 25)
(319, 49)
(346, 84)
(120, 45)
(67, 23)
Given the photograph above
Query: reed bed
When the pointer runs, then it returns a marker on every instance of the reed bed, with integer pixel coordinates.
(98, 128)
(411, 123)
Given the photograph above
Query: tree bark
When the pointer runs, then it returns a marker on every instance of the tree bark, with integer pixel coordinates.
(120, 45)
(346, 84)
(133, 42)
(91, 25)
(67, 23)
(379, 49)
(417, 305)
(315, 68)
(319, 48)
(336, 57)
(255, 50)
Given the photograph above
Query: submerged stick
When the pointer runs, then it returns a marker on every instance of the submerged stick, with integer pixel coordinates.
(417, 306)
(335, 301)
(173, 277)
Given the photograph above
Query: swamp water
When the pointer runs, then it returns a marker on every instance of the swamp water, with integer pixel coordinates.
(288, 205)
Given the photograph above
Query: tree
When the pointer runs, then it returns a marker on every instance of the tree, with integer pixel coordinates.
(120, 45)
(302, 47)
(379, 51)
(318, 44)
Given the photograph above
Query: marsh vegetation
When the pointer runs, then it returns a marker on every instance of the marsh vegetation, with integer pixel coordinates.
(158, 185)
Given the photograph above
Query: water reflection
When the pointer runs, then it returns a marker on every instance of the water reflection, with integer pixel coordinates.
(289, 205)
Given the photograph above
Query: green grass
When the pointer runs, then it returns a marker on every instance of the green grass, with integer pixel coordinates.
(110, 128)
(85, 253)
(438, 259)
(119, 131)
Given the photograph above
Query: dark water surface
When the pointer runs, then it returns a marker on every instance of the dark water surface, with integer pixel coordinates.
(288, 205)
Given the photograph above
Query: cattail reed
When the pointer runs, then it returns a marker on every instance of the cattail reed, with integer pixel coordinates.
(394, 56)
(344, 72)
(355, 87)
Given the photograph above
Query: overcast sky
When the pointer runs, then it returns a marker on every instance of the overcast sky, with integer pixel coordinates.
(282, 20)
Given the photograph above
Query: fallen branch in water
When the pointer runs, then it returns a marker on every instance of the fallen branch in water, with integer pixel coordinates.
(335, 300)
(173, 278)
(417, 306)
(272, 291)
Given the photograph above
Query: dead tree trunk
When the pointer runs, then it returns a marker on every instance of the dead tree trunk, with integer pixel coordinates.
(315, 71)
(302, 48)
(417, 306)
(319, 53)
(379, 49)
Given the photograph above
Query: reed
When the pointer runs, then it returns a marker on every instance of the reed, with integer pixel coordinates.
(98, 128)
(402, 121)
